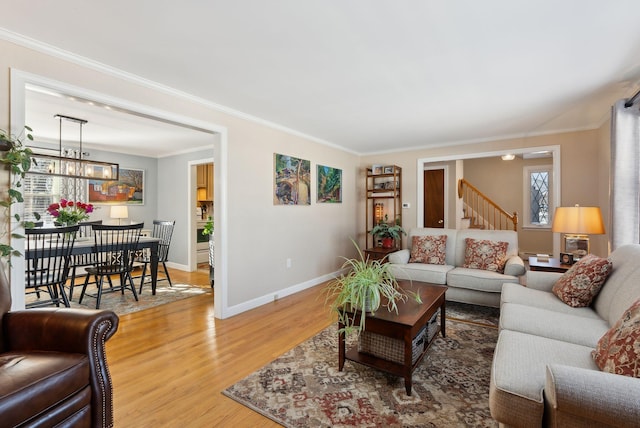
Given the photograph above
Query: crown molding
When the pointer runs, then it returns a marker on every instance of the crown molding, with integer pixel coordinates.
(65, 55)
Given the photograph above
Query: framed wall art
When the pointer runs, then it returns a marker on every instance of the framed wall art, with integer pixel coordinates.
(291, 184)
(129, 189)
(329, 185)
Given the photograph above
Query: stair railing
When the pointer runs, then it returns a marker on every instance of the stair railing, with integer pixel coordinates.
(484, 213)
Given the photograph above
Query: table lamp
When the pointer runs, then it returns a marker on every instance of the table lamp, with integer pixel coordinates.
(119, 212)
(577, 223)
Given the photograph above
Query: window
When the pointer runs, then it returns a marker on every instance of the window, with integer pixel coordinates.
(42, 190)
(538, 203)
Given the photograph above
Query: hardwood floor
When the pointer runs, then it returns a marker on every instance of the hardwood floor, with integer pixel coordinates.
(170, 363)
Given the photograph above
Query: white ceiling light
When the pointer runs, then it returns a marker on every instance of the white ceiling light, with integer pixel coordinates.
(508, 157)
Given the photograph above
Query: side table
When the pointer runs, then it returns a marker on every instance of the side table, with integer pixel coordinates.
(379, 253)
(553, 265)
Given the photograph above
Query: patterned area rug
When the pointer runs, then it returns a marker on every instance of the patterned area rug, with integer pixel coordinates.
(303, 388)
(125, 304)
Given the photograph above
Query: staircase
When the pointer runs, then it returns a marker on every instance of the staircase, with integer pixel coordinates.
(482, 212)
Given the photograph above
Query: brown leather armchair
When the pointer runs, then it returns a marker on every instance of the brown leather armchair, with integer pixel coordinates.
(53, 367)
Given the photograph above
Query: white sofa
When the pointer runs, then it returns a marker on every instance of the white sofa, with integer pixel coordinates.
(480, 287)
(543, 373)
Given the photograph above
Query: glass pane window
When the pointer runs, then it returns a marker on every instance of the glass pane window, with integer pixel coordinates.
(539, 204)
(40, 191)
(538, 208)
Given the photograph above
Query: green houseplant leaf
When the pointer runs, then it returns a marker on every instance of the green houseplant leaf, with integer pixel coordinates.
(361, 289)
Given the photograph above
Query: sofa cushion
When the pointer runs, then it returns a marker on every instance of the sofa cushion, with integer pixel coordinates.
(485, 254)
(27, 374)
(508, 236)
(435, 274)
(621, 287)
(551, 324)
(428, 249)
(518, 374)
(475, 279)
(516, 293)
(618, 351)
(579, 285)
(451, 234)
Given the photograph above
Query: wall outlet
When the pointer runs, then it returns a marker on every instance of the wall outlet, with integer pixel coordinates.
(288, 263)
(275, 297)
(406, 205)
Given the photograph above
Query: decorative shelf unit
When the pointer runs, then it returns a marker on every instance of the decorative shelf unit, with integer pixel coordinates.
(383, 197)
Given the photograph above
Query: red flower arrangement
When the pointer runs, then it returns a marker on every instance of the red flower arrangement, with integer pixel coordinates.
(68, 213)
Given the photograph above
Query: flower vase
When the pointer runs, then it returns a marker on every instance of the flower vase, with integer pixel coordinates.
(387, 242)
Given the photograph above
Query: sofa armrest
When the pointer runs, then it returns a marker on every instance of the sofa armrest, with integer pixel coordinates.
(590, 397)
(514, 266)
(542, 280)
(81, 331)
(399, 257)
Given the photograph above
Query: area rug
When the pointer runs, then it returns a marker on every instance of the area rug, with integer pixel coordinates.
(125, 304)
(303, 388)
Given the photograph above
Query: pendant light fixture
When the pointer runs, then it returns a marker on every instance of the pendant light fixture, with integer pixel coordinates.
(70, 162)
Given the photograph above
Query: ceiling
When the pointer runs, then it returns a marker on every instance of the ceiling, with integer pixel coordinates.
(366, 75)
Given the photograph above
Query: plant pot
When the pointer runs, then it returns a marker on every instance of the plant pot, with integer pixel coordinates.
(387, 242)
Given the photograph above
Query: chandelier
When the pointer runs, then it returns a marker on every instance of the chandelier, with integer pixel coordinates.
(70, 162)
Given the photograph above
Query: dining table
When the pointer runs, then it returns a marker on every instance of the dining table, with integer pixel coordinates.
(88, 245)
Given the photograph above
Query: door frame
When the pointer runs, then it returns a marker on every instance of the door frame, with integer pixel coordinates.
(18, 86)
(426, 167)
(555, 151)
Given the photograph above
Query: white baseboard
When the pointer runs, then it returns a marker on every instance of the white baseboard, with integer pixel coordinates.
(271, 297)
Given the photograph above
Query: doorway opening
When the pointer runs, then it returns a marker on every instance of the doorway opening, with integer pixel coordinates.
(20, 82)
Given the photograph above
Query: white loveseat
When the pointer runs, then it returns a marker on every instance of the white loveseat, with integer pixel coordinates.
(543, 373)
(480, 287)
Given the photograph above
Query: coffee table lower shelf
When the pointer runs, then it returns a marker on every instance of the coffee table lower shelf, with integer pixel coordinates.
(405, 326)
(391, 367)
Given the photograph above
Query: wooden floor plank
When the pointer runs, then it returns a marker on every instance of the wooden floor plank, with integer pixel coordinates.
(170, 363)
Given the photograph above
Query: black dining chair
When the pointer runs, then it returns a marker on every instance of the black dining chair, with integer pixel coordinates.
(163, 230)
(47, 256)
(115, 248)
(80, 261)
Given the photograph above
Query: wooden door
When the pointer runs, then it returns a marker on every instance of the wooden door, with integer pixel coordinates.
(434, 198)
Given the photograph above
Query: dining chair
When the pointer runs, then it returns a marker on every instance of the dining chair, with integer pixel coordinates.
(47, 256)
(162, 230)
(79, 261)
(115, 248)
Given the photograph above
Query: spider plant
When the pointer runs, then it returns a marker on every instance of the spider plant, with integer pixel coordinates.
(360, 291)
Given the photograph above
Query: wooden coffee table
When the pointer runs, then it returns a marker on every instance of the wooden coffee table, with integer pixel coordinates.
(405, 326)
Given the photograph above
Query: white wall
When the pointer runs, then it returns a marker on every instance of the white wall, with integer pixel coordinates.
(259, 236)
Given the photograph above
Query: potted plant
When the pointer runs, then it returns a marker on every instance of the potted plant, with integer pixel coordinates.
(208, 230)
(389, 233)
(361, 290)
(19, 159)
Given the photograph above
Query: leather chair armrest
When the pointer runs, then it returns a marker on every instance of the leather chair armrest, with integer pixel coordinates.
(81, 331)
(59, 330)
(591, 397)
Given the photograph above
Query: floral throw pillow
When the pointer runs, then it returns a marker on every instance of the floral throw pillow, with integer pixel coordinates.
(428, 249)
(578, 286)
(618, 351)
(485, 254)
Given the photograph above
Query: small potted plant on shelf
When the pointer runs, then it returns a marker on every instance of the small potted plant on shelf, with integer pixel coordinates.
(389, 233)
(360, 291)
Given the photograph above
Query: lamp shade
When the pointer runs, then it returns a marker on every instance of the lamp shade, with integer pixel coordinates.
(578, 220)
(119, 211)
